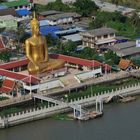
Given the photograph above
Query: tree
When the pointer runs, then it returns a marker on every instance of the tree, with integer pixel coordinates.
(111, 58)
(58, 5)
(135, 20)
(70, 47)
(5, 55)
(51, 41)
(85, 7)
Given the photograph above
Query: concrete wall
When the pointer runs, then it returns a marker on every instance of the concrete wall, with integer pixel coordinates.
(87, 75)
(46, 85)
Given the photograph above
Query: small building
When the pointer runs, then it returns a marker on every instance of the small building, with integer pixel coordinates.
(63, 18)
(44, 14)
(18, 4)
(99, 37)
(126, 49)
(124, 64)
(8, 22)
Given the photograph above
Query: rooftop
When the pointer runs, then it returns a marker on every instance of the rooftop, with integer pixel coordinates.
(7, 17)
(23, 12)
(62, 15)
(16, 3)
(125, 45)
(73, 37)
(124, 64)
(99, 32)
(48, 13)
(129, 51)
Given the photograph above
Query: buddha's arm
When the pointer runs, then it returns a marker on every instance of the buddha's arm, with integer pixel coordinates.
(28, 52)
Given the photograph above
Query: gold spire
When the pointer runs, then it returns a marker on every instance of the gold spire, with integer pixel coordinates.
(34, 15)
(34, 21)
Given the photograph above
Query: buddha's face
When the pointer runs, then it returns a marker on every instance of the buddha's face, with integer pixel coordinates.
(35, 29)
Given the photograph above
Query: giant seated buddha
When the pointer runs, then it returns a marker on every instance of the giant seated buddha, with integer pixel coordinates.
(37, 52)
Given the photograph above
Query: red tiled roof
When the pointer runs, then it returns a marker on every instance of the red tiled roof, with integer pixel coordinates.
(14, 64)
(124, 64)
(107, 67)
(5, 90)
(76, 60)
(18, 76)
(31, 79)
(7, 85)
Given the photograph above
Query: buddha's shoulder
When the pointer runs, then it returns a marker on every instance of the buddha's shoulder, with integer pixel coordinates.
(35, 40)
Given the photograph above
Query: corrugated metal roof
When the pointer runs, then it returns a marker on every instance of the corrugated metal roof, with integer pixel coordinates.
(99, 32)
(74, 37)
(23, 12)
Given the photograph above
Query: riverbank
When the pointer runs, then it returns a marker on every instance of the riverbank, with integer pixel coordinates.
(40, 113)
(120, 122)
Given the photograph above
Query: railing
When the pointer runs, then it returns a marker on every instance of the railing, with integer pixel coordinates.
(15, 100)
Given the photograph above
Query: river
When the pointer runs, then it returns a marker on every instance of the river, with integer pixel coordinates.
(119, 122)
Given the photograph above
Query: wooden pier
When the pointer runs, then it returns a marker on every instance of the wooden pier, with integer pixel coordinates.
(127, 99)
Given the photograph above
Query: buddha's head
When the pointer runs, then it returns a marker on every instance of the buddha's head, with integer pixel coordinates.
(35, 25)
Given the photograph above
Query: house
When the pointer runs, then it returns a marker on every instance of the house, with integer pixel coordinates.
(8, 22)
(63, 18)
(99, 37)
(57, 17)
(18, 4)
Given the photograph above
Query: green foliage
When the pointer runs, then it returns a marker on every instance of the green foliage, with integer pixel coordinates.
(61, 117)
(85, 7)
(103, 87)
(5, 55)
(136, 61)
(10, 111)
(129, 3)
(67, 48)
(58, 5)
(111, 58)
(3, 98)
(125, 26)
(51, 41)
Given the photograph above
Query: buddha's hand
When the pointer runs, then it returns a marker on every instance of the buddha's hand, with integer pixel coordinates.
(37, 68)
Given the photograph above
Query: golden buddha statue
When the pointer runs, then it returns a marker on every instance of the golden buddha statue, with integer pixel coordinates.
(37, 52)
